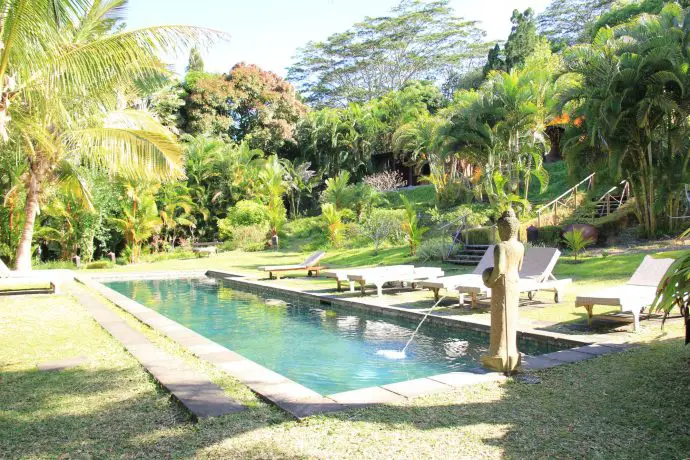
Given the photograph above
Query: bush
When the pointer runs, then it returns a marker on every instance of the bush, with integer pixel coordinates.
(549, 235)
(433, 249)
(99, 264)
(576, 241)
(480, 235)
(472, 214)
(249, 238)
(247, 212)
(386, 181)
(382, 225)
(304, 227)
(456, 191)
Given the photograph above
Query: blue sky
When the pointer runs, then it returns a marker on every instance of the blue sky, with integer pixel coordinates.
(268, 32)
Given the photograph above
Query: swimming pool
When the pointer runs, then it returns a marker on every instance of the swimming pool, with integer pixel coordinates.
(325, 348)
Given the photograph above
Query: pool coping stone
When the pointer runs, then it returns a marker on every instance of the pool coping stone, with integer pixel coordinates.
(198, 394)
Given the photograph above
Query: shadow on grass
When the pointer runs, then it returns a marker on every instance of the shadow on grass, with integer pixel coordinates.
(603, 407)
(96, 413)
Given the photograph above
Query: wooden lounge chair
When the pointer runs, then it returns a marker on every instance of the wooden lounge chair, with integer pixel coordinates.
(535, 275)
(402, 275)
(451, 283)
(310, 264)
(341, 274)
(633, 296)
(16, 283)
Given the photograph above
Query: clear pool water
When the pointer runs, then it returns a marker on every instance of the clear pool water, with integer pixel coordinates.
(328, 349)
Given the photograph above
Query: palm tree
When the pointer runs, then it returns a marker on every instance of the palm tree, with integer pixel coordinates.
(631, 91)
(61, 71)
(273, 186)
(176, 209)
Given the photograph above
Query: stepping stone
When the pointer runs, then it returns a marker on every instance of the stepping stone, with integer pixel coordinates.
(61, 364)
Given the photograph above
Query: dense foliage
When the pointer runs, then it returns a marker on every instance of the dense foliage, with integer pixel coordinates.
(140, 162)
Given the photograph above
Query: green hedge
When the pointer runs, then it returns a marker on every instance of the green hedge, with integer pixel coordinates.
(480, 235)
(549, 235)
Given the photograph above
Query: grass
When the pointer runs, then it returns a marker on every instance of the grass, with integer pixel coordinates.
(630, 405)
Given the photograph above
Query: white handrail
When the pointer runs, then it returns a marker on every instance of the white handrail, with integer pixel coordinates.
(565, 193)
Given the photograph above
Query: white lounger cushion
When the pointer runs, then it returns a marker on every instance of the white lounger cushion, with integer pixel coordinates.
(409, 274)
(633, 296)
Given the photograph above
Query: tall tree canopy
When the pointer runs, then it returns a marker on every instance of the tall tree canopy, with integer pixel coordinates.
(523, 38)
(565, 22)
(417, 41)
(248, 104)
(195, 63)
(620, 14)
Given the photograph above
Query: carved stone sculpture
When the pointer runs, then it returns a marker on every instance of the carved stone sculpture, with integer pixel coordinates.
(502, 278)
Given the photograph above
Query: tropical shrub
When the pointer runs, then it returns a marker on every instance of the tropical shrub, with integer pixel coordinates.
(469, 215)
(334, 223)
(381, 226)
(247, 212)
(674, 291)
(481, 235)
(385, 181)
(338, 192)
(549, 235)
(247, 237)
(413, 231)
(434, 249)
(364, 198)
(576, 241)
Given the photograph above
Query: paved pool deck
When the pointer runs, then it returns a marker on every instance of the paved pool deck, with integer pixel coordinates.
(300, 401)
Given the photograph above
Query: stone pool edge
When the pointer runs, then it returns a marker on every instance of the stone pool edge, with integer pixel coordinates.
(296, 399)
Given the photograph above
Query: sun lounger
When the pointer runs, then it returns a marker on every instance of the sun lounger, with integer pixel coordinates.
(633, 296)
(311, 265)
(403, 275)
(207, 250)
(535, 275)
(12, 282)
(341, 274)
(451, 283)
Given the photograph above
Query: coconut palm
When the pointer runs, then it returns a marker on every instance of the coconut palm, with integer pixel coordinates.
(62, 67)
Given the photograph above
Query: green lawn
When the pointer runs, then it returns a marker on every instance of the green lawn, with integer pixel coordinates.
(630, 405)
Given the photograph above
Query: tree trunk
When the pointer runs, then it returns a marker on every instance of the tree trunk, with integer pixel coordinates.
(554, 134)
(23, 262)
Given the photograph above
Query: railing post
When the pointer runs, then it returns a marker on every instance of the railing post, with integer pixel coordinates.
(575, 195)
(608, 204)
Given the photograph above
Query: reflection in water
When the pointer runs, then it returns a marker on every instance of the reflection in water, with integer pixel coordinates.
(328, 350)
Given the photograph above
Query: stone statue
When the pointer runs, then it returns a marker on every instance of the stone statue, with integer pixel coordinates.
(503, 279)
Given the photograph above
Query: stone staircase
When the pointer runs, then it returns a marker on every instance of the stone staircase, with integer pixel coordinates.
(612, 200)
(470, 255)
